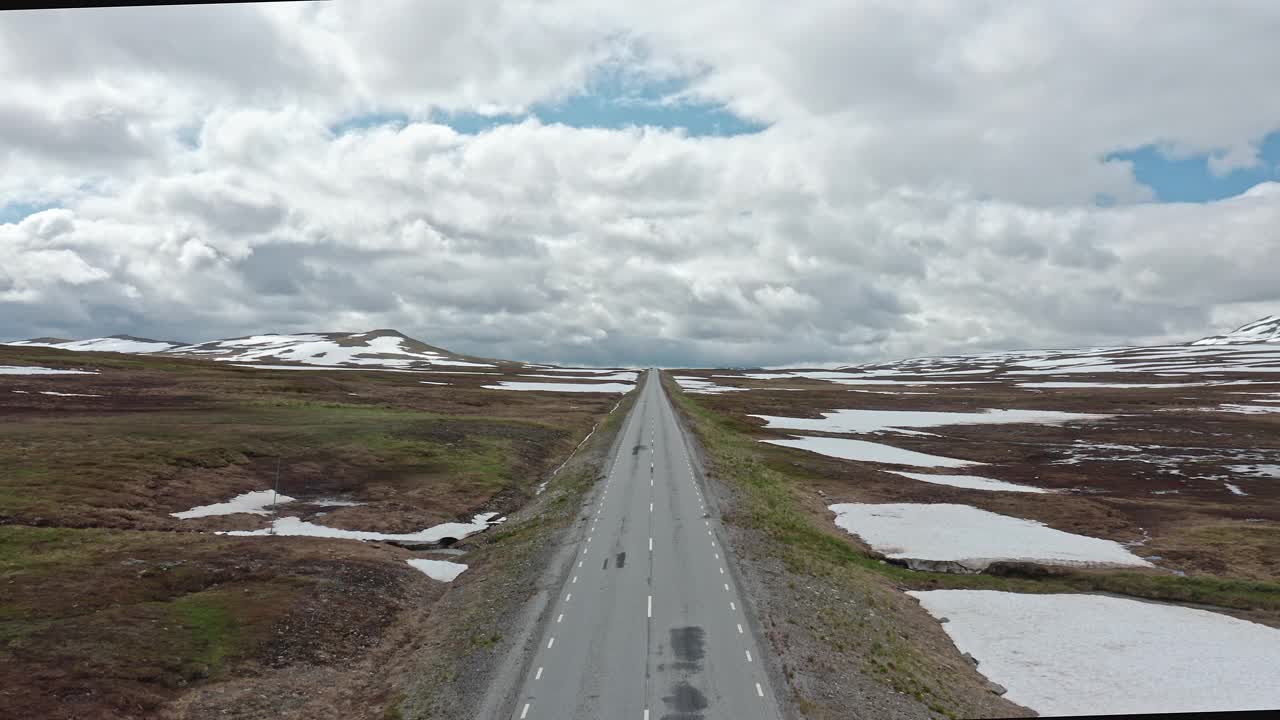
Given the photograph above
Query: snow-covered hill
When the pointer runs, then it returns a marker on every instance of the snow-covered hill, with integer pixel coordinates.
(1266, 330)
(375, 349)
(115, 343)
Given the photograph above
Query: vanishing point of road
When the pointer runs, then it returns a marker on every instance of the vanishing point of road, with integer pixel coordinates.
(649, 623)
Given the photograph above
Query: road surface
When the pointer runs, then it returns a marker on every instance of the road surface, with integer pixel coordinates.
(649, 623)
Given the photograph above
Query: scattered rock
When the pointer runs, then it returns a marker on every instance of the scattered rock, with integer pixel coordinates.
(971, 659)
(996, 688)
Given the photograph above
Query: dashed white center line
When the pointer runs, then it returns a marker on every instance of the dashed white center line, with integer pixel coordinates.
(726, 587)
(721, 571)
(649, 610)
(579, 563)
(525, 711)
(748, 656)
(759, 690)
(732, 606)
(646, 714)
(551, 642)
(566, 597)
(561, 617)
(650, 544)
(539, 675)
(739, 628)
(575, 580)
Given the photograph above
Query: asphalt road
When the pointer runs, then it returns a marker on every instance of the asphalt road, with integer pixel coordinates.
(649, 623)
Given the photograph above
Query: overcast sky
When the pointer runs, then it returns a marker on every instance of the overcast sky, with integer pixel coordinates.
(726, 182)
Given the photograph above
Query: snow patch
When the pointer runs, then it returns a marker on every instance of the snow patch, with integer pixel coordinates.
(864, 451)
(969, 482)
(253, 503)
(441, 570)
(870, 421)
(972, 537)
(292, 526)
(1069, 654)
(561, 387)
(32, 370)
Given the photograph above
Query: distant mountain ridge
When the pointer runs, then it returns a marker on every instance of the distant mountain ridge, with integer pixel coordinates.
(1265, 330)
(384, 348)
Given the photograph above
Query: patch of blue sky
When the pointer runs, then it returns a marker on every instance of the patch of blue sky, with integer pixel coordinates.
(611, 100)
(365, 121)
(14, 212)
(1189, 179)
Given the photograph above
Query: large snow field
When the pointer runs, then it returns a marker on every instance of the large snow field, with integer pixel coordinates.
(292, 526)
(700, 386)
(441, 570)
(972, 537)
(848, 449)
(624, 376)
(254, 503)
(605, 387)
(33, 370)
(1070, 654)
(1108, 385)
(870, 421)
(970, 482)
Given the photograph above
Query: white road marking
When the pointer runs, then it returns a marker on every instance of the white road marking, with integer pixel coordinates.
(566, 597)
(650, 544)
(650, 507)
(649, 611)
(579, 563)
(759, 690)
(646, 714)
(525, 711)
(739, 628)
(748, 656)
(575, 580)
(726, 587)
(539, 675)
(561, 617)
(551, 642)
(717, 555)
(732, 606)
(721, 571)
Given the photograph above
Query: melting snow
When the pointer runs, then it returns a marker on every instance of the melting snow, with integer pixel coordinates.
(700, 386)
(1249, 409)
(441, 570)
(120, 345)
(31, 370)
(848, 449)
(972, 537)
(619, 376)
(254, 503)
(1069, 654)
(562, 387)
(1107, 385)
(870, 421)
(970, 482)
(297, 527)
(1267, 471)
